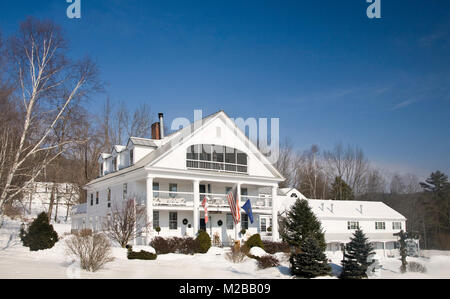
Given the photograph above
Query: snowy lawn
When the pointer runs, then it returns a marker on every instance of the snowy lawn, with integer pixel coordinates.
(17, 261)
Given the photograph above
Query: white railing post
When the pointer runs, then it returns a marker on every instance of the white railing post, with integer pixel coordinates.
(275, 234)
(149, 204)
(196, 188)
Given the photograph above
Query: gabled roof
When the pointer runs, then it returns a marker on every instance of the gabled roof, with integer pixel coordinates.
(167, 144)
(348, 209)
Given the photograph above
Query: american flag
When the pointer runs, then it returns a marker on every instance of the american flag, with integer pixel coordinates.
(233, 202)
(205, 206)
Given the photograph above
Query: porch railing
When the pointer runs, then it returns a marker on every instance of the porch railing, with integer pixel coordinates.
(221, 200)
(173, 198)
(186, 199)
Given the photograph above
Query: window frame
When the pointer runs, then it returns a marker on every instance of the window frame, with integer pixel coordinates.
(352, 225)
(155, 219)
(173, 222)
(380, 225)
(229, 221)
(394, 225)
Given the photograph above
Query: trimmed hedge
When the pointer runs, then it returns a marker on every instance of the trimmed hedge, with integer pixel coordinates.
(254, 241)
(203, 241)
(175, 245)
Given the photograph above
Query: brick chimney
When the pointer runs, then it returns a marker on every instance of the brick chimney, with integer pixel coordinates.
(156, 131)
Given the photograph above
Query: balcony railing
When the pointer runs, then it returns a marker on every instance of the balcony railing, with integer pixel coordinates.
(172, 198)
(218, 166)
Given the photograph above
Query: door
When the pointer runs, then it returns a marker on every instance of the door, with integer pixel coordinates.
(202, 224)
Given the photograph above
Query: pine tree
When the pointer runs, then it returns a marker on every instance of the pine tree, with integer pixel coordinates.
(41, 234)
(355, 262)
(310, 261)
(437, 205)
(301, 223)
(340, 190)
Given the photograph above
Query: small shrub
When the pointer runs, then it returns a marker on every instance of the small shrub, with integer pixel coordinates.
(216, 240)
(161, 245)
(94, 251)
(416, 267)
(253, 241)
(236, 255)
(141, 255)
(185, 245)
(203, 241)
(175, 245)
(158, 229)
(274, 247)
(40, 235)
(267, 261)
(243, 231)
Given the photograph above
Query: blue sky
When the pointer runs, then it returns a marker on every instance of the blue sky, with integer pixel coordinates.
(327, 71)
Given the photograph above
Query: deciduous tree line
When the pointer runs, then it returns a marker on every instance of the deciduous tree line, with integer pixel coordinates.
(345, 173)
(48, 130)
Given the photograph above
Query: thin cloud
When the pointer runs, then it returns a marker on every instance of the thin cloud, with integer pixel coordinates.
(403, 104)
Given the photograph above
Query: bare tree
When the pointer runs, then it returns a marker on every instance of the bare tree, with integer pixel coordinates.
(127, 222)
(284, 164)
(348, 163)
(49, 84)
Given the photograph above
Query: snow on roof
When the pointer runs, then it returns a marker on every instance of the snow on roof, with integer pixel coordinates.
(119, 148)
(347, 209)
(143, 141)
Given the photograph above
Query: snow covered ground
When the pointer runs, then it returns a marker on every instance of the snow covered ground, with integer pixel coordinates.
(17, 261)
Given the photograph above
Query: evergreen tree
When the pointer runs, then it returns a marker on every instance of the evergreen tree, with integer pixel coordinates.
(301, 223)
(357, 251)
(437, 207)
(340, 190)
(41, 234)
(310, 261)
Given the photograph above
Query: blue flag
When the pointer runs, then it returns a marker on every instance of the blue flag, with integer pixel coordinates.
(248, 209)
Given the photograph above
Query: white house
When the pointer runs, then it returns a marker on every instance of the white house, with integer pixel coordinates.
(340, 219)
(170, 175)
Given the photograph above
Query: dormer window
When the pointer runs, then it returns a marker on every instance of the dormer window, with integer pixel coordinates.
(101, 168)
(131, 157)
(114, 163)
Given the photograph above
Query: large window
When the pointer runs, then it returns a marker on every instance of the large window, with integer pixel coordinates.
(155, 219)
(380, 225)
(173, 220)
(173, 188)
(230, 221)
(155, 188)
(396, 225)
(244, 221)
(216, 157)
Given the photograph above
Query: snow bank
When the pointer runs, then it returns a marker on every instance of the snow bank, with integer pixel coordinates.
(215, 251)
(257, 251)
(145, 248)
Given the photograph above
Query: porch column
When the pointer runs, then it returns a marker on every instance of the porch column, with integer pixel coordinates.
(238, 226)
(275, 234)
(149, 204)
(196, 188)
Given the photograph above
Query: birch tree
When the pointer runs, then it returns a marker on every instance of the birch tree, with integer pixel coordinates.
(48, 84)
